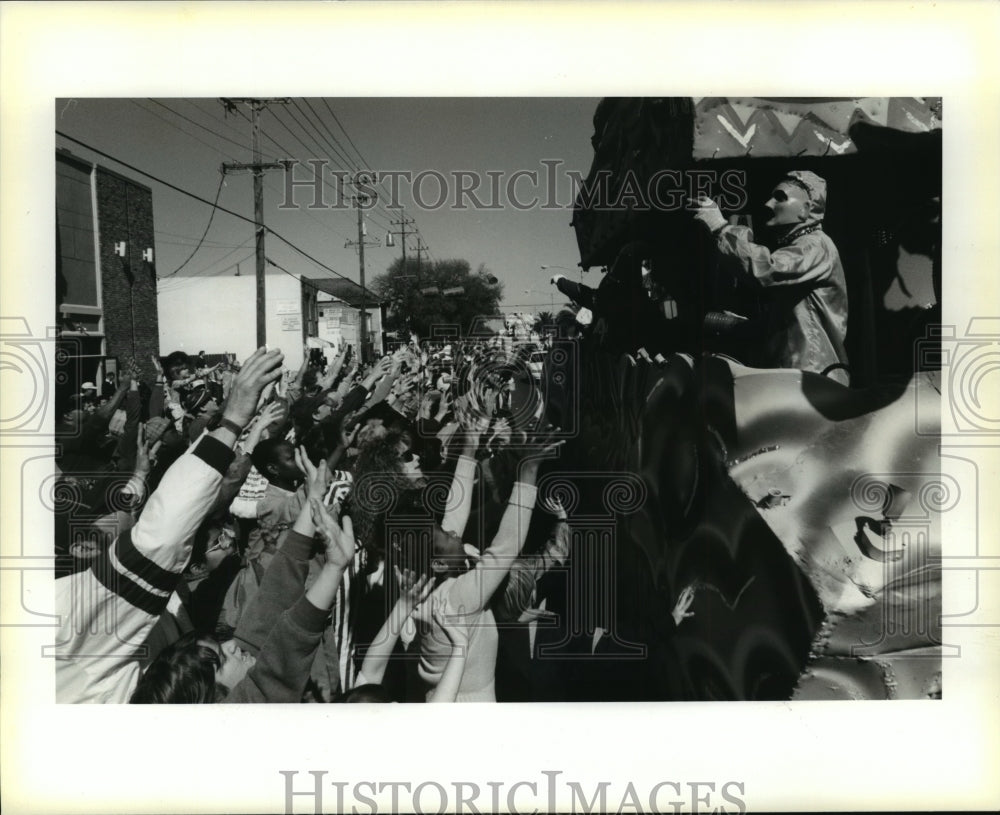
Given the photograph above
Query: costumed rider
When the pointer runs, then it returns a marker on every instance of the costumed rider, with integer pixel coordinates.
(803, 276)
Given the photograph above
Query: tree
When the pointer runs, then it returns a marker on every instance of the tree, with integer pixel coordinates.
(445, 292)
(544, 318)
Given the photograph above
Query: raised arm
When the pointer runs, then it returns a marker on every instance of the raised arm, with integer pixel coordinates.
(412, 592)
(459, 502)
(129, 586)
(474, 589)
(792, 265)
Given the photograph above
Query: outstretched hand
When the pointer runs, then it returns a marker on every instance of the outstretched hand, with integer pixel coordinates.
(412, 590)
(707, 211)
(338, 535)
(554, 506)
(259, 371)
(317, 478)
(684, 602)
(145, 454)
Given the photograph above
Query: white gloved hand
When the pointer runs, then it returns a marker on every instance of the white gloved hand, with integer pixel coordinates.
(708, 212)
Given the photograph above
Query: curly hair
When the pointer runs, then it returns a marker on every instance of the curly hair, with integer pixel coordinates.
(378, 471)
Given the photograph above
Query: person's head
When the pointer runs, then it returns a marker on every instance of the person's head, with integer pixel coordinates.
(799, 198)
(429, 549)
(367, 694)
(200, 402)
(214, 541)
(75, 415)
(448, 555)
(198, 668)
(628, 265)
(177, 365)
(372, 430)
(392, 455)
(275, 460)
(331, 401)
(386, 468)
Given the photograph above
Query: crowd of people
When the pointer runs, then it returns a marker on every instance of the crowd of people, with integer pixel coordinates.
(359, 532)
(343, 532)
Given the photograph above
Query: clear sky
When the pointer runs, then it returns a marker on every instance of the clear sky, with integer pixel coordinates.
(184, 141)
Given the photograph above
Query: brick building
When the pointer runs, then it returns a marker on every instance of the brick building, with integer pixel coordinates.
(105, 273)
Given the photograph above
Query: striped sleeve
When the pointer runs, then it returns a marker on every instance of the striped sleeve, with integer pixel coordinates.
(107, 611)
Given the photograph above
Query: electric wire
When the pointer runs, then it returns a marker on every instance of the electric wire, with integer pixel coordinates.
(197, 197)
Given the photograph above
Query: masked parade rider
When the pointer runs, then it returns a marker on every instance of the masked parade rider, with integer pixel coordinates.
(802, 277)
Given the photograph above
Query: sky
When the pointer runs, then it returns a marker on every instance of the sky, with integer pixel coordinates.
(184, 141)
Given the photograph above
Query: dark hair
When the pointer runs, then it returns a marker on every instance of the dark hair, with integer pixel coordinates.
(367, 693)
(183, 673)
(266, 453)
(378, 471)
(173, 363)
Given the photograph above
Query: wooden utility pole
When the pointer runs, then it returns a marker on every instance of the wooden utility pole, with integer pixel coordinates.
(361, 202)
(421, 248)
(257, 168)
(402, 223)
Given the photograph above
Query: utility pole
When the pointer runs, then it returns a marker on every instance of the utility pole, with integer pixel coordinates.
(402, 223)
(421, 248)
(257, 168)
(360, 203)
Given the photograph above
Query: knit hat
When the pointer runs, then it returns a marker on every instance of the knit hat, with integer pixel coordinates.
(815, 187)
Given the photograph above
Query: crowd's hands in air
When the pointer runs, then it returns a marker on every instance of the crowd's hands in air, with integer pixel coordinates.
(146, 451)
(413, 590)
(261, 369)
(337, 532)
(261, 424)
(554, 506)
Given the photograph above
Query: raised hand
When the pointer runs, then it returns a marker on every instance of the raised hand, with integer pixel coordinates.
(707, 211)
(412, 590)
(338, 536)
(444, 405)
(145, 454)
(270, 413)
(554, 506)
(542, 445)
(347, 437)
(260, 370)
(317, 478)
(684, 602)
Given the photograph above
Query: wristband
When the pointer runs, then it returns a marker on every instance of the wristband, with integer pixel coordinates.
(229, 424)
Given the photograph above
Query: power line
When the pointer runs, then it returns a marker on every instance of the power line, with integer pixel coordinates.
(348, 135)
(200, 274)
(174, 125)
(196, 197)
(332, 141)
(211, 217)
(227, 155)
(198, 124)
(341, 153)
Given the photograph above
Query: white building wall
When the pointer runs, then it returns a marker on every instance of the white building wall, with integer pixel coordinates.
(218, 314)
(338, 322)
